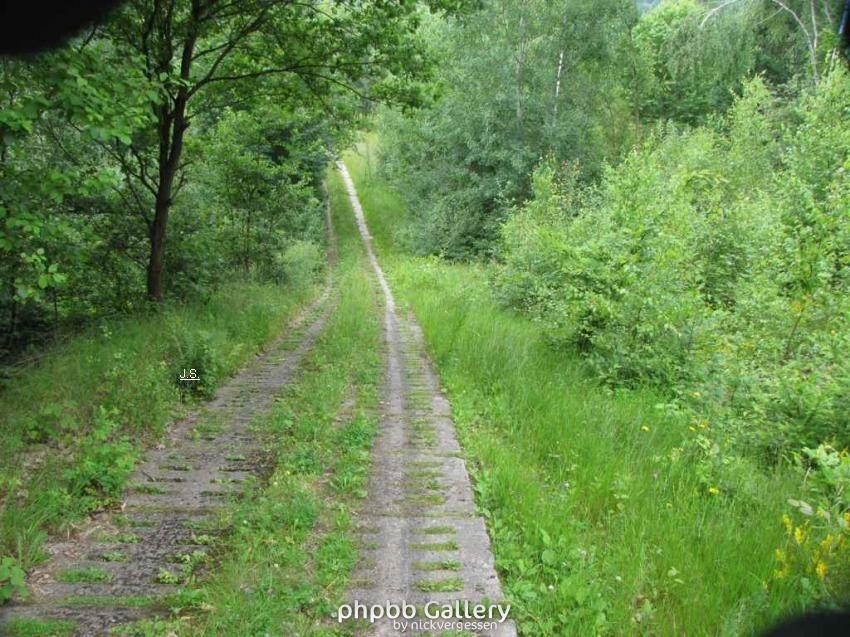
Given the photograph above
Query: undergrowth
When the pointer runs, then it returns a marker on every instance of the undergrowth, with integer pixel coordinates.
(75, 421)
(602, 517)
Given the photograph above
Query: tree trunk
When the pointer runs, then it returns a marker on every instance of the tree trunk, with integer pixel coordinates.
(520, 61)
(558, 86)
(156, 260)
(172, 126)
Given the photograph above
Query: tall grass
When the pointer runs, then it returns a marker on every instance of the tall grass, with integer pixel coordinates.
(600, 524)
(73, 423)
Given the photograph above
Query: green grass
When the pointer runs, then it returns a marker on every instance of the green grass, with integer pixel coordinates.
(599, 524)
(451, 545)
(284, 566)
(21, 627)
(439, 565)
(87, 575)
(166, 576)
(448, 585)
(107, 601)
(437, 530)
(73, 422)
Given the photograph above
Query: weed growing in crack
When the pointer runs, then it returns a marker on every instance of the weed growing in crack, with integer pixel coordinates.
(437, 530)
(438, 565)
(114, 556)
(451, 545)
(90, 575)
(449, 585)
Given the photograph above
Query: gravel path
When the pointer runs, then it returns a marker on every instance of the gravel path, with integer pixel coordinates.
(178, 488)
(422, 541)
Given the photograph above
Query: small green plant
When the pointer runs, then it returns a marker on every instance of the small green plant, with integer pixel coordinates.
(431, 499)
(147, 489)
(189, 561)
(435, 546)
(437, 530)
(198, 352)
(114, 556)
(115, 601)
(104, 463)
(91, 575)
(26, 627)
(440, 586)
(167, 577)
(440, 565)
(52, 419)
(12, 579)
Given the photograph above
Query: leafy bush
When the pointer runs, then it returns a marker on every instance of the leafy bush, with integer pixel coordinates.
(196, 353)
(713, 262)
(104, 462)
(301, 263)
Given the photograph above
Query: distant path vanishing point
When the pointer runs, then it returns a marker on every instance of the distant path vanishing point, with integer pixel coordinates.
(421, 538)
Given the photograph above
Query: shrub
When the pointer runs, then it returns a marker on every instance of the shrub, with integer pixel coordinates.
(12, 578)
(196, 353)
(710, 263)
(301, 263)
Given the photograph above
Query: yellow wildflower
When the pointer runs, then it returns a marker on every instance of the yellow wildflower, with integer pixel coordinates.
(786, 522)
(821, 570)
(799, 535)
(783, 569)
(713, 490)
(644, 428)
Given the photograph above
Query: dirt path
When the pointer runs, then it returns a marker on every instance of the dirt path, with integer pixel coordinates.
(120, 562)
(422, 540)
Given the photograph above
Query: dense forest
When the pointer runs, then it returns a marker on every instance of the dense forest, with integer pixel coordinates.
(657, 194)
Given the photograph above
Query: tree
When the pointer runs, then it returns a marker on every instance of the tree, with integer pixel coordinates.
(691, 68)
(261, 171)
(270, 46)
(518, 81)
(56, 111)
(812, 22)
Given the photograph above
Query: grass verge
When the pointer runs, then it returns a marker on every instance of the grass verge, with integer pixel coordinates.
(74, 422)
(600, 524)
